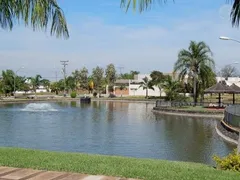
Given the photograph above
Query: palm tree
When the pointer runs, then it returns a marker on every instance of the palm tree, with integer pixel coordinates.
(46, 83)
(143, 5)
(157, 80)
(171, 88)
(196, 62)
(146, 84)
(35, 82)
(36, 13)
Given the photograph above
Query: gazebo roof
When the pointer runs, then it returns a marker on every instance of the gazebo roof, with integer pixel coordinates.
(219, 88)
(235, 88)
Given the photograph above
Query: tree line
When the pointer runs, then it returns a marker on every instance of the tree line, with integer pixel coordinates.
(194, 71)
(78, 80)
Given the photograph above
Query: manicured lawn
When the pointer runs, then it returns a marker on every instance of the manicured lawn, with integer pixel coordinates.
(111, 165)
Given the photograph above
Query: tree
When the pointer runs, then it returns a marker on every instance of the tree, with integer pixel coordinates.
(8, 81)
(97, 76)
(129, 75)
(45, 83)
(55, 87)
(146, 84)
(35, 82)
(143, 5)
(70, 83)
(158, 79)
(39, 14)
(83, 77)
(171, 88)
(196, 62)
(229, 71)
(111, 75)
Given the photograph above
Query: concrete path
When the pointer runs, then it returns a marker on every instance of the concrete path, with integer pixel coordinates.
(8, 173)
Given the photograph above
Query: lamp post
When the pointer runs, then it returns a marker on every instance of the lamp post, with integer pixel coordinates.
(14, 79)
(228, 38)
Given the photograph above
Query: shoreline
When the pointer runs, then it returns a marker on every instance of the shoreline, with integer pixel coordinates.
(179, 112)
(12, 101)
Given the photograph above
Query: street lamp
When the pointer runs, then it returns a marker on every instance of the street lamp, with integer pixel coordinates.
(228, 38)
(15, 74)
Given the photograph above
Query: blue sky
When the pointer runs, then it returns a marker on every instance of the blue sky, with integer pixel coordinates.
(102, 33)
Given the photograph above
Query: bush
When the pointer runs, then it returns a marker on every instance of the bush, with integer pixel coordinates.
(230, 162)
(95, 94)
(73, 94)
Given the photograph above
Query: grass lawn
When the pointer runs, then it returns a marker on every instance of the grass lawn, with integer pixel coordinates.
(111, 165)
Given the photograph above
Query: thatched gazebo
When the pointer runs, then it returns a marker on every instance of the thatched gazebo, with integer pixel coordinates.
(236, 91)
(219, 88)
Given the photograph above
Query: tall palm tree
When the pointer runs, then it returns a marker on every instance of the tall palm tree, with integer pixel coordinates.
(196, 62)
(143, 5)
(146, 84)
(36, 13)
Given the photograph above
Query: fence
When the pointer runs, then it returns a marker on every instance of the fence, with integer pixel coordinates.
(162, 103)
(232, 116)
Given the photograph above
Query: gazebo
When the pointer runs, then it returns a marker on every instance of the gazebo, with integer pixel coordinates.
(220, 88)
(236, 91)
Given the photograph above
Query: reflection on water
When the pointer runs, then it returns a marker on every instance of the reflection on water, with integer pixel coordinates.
(113, 128)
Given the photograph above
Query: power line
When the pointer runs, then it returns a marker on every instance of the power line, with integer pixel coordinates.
(64, 63)
(120, 69)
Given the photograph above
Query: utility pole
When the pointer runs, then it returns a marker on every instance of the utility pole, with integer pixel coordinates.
(120, 69)
(64, 63)
(56, 73)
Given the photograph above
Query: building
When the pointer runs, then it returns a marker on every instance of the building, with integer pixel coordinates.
(131, 87)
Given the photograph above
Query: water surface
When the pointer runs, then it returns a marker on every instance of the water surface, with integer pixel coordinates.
(111, 128)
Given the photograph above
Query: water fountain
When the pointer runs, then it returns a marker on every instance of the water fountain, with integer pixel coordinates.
(42, 107)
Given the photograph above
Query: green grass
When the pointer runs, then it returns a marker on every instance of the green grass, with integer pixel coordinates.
(111, 165)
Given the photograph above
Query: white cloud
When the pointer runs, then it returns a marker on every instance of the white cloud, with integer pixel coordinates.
(94, 42)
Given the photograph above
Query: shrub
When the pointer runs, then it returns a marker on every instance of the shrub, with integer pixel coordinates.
(95, 94)
(230, 162)
(73, 94)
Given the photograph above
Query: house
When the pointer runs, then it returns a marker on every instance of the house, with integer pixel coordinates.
(131, 87)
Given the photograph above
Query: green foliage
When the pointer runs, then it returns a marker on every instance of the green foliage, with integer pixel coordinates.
(73, 94)
(70, 83)
(146, 84)
(143, 5)
(230, 162)
(197, 63)
(171, 88)
(35, 82)
(111, 74)
(81, 78)
(95, 94)
(158, 79)
(97, 76)
(38, 14)
(129, 75)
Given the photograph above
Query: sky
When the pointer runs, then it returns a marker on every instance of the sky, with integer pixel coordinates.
(102, 33)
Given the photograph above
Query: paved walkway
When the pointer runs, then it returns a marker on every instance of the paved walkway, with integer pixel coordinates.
(8, 173)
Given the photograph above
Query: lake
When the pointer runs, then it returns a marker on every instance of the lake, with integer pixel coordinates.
(110, 128)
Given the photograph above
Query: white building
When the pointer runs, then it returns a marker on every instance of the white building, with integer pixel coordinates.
(132, 87)
(229, 81)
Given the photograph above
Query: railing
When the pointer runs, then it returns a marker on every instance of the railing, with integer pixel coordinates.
(232, 116)
(162, 103)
